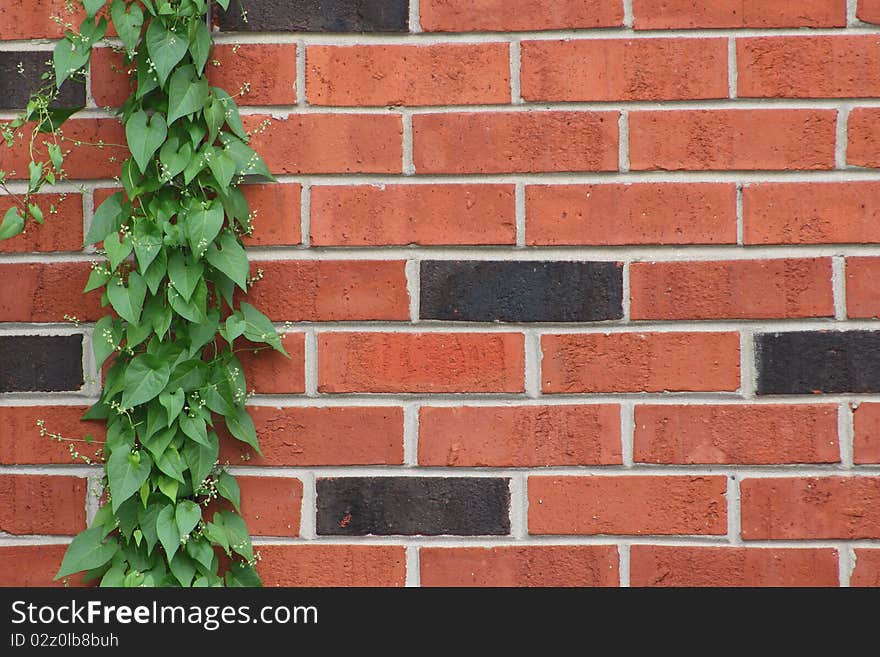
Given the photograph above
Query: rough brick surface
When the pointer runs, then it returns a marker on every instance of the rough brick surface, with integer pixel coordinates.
(40, 504)
(429, 215)
(315, 16)
(814, 507)
(46, 292)
(34, 363)
(445, 74)
(271, 506)
(862, 293)
(868, 11)
(495, 15)
(866, 427)
(62, 232)
(687, 14)
(33, 565)
(863, 147)
(736, 289)
(867, 570)
(656, 565)
(570, 565)
(628, 505)
(640, 362)
(23, 444)
(624, 69)
(612, 214)
(521, 436)
(332, 565)
(702, 140)
(729, 433)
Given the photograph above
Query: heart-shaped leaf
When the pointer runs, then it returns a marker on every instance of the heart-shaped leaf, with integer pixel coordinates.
(184, 275)
(203, 224)
(187, 93)
(88, 550)
(126, 473)
(128, 300)
(145, 134)
(147, 242)
(145, 377)
(187, 516)
(175, 156)
(13, 224)
(107, 219)
(117, 250)
(166, 530)
(128, 23)
(105, 339)
(173, 403)
(231, 259)
(165, 48)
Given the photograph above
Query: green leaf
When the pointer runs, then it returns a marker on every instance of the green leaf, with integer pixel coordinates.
(105, 339)
(166, 530)
(201, 458)
(247, 162)
(187, 516)
(241, 426)
(194, 309)
(187, 93)
(147, 520)
(200, 550)
(215, 117)
(258, 328)
(67, 58)
(195, 428)
(97, 278)
(222, 166)
(147, 241)
(235, 328)
(127, 300)
(145, 377)
(128, 23)
(175, 156)
(230, 113)
(107, 219)
(117, 250)
(183, 569)
(155, 273)
(237, 534)
(35, 171)
(203, 224)
(173, 403)
(13, 224)
(199, 44)
(227, 486)
(144, 135)
(243, 574)
(36, 212)
(216, 533)
(158, 443)
(115, 577)
(93, 6)
(165, 48)
(171, 464)
(86, 551)
(169, 486)
(55, 155)
(231, 259)
(184, 274)
(126, 515)
(126, 473)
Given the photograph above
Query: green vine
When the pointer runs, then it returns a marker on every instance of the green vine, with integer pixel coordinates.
(174, 256)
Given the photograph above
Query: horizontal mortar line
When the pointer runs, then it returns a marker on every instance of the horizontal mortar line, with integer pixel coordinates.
(635, 253)
(538, 179)
(469, 399)
(71, 470)
(451, 541)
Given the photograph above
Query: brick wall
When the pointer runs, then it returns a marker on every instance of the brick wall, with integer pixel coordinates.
(582, 292)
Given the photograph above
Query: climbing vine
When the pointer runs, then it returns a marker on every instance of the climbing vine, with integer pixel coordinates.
(171, 237)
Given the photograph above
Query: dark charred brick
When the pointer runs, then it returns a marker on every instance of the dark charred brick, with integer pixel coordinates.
(431, 506)
(481, 291)
(316, 16)
(818, 361)
(20, 74)
(37, 363)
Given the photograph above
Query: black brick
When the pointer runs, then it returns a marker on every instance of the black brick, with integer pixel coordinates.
(357, 506)
(36, 363)
(16, 87)
(529, 291)
(316, 16)
(818, 361)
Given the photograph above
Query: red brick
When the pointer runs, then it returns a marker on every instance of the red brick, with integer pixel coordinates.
(741, 139)
(420, 362)
(519, 436)
(648, 213)
(62, 231)
(33, 19)
(868, 11)
(733, 289)
(515, 142)
(42, 504)
(278, 221)
(640, 362)
(370, 215)
(271, 506)
(33, 565)
(627, 505)
(329, 143)
(332, 565)
(86, 159)
(624, 69)
(440, 74)
(866, 441)
(255, 73)
(46, 292)
(497, 16)
(687, 14)
(22, 443)
(811, 213)
(808, 67)
(681, 565)
(527, 565)
(331, 290)
(867, 570)
(863, 148)
(269, 372)
(110, 80)
(862, 293)
(728, 433)
(333, 435)
(816, 507)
